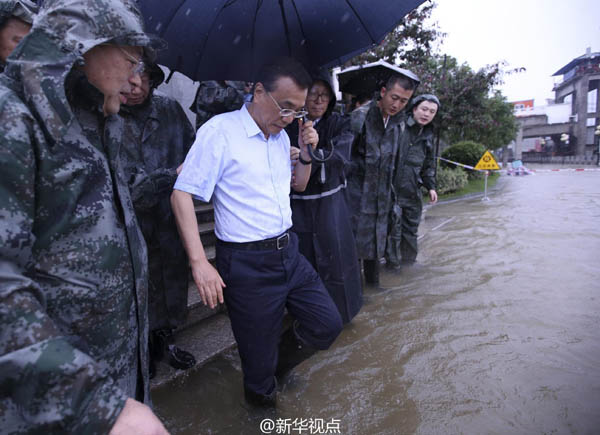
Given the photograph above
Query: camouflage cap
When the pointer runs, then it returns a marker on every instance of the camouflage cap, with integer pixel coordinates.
(23, 9)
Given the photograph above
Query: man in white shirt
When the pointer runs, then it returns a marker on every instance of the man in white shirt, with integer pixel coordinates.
(242, 160)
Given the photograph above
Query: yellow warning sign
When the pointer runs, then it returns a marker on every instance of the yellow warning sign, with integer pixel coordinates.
(487, 162)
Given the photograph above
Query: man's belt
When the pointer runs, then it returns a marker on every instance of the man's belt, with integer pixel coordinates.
(272, 244)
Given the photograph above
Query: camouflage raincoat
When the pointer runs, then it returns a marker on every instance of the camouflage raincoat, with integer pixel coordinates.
(22, 9)
(158, 136)
(370, 178)
(73, 272)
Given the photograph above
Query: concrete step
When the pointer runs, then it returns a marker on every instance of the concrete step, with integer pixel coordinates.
(205, 340)
(204, 211)
(197, 311)
(207, 234)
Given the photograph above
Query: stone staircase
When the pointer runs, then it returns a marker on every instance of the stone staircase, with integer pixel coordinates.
(207, 332)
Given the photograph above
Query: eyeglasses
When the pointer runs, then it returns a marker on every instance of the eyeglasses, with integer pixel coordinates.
(284, 113)
(138, 65)
(313, 96)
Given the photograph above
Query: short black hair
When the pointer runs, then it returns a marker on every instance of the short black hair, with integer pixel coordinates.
(270, 72)
(403, 81)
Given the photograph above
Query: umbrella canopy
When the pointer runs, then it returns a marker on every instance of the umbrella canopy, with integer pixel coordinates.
(368, 78)
(231, 39)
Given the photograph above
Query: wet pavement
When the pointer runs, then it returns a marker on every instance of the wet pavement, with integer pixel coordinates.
(497, 331)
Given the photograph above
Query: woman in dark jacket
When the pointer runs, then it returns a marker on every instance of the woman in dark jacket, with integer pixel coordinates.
(320, 213)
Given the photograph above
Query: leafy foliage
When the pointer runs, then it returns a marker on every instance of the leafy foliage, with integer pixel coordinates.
(468, 112)
(410, 42)
(450, 180)
(465, 152)
(470, 108)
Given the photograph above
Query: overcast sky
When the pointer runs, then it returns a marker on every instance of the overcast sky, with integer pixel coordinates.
(540, 35)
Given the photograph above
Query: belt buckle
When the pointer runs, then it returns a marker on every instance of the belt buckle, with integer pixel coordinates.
(283, 237)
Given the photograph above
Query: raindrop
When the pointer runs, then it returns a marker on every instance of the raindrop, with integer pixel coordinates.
(345, 17)
(237, 39)
(303, 42)
(188, 12)
(158, 26)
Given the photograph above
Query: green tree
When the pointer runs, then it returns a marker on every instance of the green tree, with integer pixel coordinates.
(471, 109)
(464, 95)
(410, 42)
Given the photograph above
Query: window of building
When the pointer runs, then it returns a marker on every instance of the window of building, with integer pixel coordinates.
(592, 99)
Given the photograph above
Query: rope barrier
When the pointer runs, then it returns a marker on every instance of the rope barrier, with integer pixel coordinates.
(462, 165)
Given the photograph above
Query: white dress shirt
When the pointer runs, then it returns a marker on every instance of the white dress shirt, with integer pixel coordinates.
(249, 175)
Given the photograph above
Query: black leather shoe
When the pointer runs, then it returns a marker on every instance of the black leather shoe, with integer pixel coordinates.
(262, 400)
(180, 359)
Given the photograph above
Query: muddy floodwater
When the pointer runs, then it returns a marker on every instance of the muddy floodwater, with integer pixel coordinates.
(497, 332)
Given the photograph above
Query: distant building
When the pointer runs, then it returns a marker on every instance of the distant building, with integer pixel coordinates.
(579, 86)
(523, 105)
(563, 127)
(541, 130)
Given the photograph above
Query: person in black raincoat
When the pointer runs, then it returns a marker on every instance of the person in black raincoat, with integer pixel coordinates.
(320, 214)
(415, 168)
(217, 96)
(158, 136)
(378, 127)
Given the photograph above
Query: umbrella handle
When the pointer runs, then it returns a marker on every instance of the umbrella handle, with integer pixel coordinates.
(319, 159)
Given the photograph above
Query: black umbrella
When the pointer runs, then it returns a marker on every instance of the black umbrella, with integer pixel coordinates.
(368, 78)
(231, 39)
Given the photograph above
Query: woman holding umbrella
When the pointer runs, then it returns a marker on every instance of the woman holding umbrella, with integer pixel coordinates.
(320, 214)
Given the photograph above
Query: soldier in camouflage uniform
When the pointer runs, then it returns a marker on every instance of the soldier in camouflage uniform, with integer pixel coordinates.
(73, 269)
(215, 97)
(415, 168)
(377, 126)
(16, 17)
(158, 136)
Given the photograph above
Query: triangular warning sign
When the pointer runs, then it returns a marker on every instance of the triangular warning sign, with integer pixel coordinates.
(487, 162)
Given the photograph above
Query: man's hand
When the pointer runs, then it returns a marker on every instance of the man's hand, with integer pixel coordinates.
(137, 419)
(294, 153)
(209, 283)
(432, 196)
(307, 134)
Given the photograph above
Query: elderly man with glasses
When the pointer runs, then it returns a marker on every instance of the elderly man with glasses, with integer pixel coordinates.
(73, 268)
(241, 160)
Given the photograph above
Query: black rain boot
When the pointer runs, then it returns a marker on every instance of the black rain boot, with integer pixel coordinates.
(371, 271)
(179, 358)
(176, 357)
(292, 351)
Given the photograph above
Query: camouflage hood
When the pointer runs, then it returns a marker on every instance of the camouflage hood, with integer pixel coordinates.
(62, 32)
(22, 9)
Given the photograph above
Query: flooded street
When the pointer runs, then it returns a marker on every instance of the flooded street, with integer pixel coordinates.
(497, 332)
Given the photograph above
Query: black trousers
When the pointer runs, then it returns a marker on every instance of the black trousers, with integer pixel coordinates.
(259, 285)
